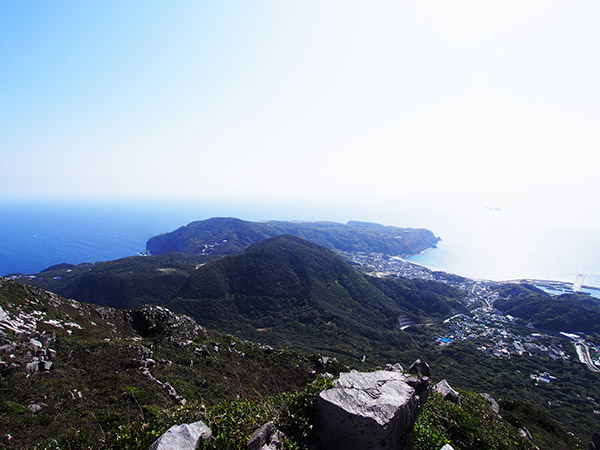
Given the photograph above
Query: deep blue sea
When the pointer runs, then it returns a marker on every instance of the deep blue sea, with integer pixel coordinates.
(476, 242)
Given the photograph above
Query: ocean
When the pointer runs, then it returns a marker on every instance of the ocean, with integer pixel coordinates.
(476, 242)
(505, 245)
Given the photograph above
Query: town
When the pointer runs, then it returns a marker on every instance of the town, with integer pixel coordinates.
(495, 334)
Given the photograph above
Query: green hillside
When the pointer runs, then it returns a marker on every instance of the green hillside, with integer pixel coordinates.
(421, 300)
(94, 393)
(122, 283)
(288, 291)
(97, 394)
(566, 312)
(225, 236)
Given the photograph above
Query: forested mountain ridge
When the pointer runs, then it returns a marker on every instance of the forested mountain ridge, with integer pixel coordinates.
(571, 312)
(289, 291)
(224, 236)
(123, 283)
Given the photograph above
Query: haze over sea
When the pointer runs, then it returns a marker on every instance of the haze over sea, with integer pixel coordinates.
(477, 242)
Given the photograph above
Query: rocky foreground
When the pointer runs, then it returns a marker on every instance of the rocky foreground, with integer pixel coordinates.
(75, 375)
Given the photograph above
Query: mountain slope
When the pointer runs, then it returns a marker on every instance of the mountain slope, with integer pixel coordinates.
(421, 300)
(566, 312)
(225, 236)
(122, 283)
(289, 291)
(67, 365)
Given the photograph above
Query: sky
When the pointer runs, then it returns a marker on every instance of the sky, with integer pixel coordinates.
(493, 103)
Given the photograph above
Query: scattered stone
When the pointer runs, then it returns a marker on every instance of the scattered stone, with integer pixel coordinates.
(182, 437)
(32, 367)
(145, 352)
(493, 403)
(8, 348)
(446, 391)
(261, 436)
(75, 394)
(35, 408)
(328, 376)
(266, 348)
(45, 365)
(326, 361)
(375, 410)
(394, 367)
(202, 351)
(275, 443)
(525, 434)
(47, 338)
(447, 447)
(34, 344)
(420, 368)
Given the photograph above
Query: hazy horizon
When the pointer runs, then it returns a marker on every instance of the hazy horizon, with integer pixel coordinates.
(467, 104)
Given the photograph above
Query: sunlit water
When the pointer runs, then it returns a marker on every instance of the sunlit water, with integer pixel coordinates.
(476, 242)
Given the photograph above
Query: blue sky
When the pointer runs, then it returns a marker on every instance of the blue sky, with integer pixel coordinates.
(494, 103)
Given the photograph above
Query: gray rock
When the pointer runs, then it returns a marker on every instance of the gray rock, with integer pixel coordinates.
(326, 361)
(275, 443)
(446, 391)
(151, 321)
(493, 403)
(266, 348)
(261, 436)
(34, 344)
(45, 365)
(8, 348)
(35, 408)
(182, 437)
(32, 367)
(394, 367)
(525, 434)
(420, 368)
(447, 447)
(3, 367)
(375, 410)
(48, 338)
(203, 351)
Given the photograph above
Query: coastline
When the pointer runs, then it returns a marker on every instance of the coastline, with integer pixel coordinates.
(553, 287)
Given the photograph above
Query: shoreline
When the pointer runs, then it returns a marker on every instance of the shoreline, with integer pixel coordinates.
(533, 281)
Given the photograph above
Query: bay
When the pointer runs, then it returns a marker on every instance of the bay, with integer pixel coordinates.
(477, 242)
